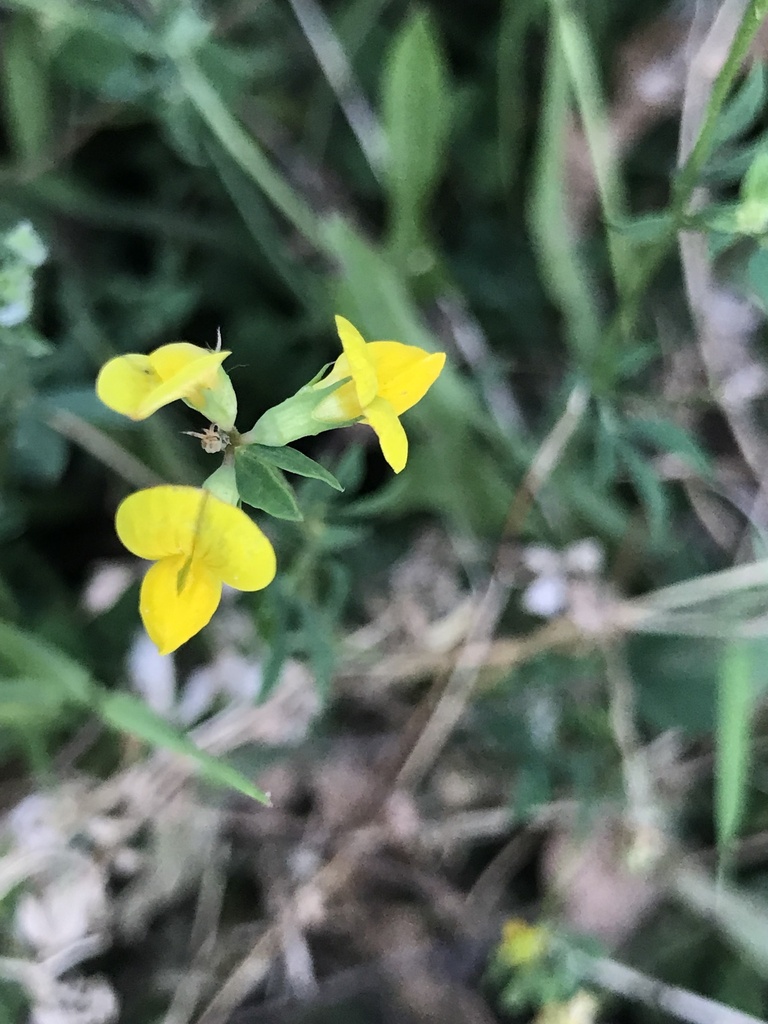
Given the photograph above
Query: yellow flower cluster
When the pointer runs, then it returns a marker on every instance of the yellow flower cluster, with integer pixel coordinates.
(199, 538)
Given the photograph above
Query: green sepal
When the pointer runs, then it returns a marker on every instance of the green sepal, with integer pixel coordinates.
(294, 418)
(223, 484)
(263, 485)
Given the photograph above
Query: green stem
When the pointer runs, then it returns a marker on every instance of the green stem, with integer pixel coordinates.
(689, 174)
(245, 151)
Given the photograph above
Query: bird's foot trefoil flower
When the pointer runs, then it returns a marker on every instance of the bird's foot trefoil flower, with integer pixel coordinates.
(198, 542)
(371, 382)
(200, 539)
(138, 385)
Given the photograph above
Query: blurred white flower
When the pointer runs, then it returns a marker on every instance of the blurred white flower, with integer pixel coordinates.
(73, 905)
(106, 586)
(152, 674)
(230, 675)
(546, 596)
(82, 1001)
(557, 573)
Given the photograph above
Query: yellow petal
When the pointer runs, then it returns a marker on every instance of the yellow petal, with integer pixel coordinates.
(178, 598)
(163, 521)
(168, 360)
(234, 548)
(394, 444)
(125, 383)
(183, 370)
(359, 362)
(405, 372)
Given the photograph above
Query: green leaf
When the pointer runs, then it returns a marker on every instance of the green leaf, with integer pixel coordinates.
(129, 714)
(31, 701)
(317, 629)
(744, 109)
(26, 88)
(650, 491)
(757, 277)
(647, 229)
(296, 462)
(518, 17)
(371, 293)
(416, 116)
(729, 165)
(263, 486)
(734, 713)
(755, 184)
(24, 655)
(668, 436)
(39, 453)
(275, 631)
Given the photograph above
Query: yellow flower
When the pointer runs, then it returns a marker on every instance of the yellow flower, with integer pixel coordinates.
(138, 385)
(198, 542)
(373, 382)
(522, 943)
(387, 379)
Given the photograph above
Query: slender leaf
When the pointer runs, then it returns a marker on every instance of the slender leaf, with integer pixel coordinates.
(668, 436)
(26, 88)
(650, 490)
(25, 655)
(416, 115)
(745, 107)
(734, 711)
(296, 462)
(128, 714)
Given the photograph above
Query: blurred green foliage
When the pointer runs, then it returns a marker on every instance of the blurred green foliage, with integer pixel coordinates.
(171, 168)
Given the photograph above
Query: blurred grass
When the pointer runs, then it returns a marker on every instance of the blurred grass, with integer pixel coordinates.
(189, 168)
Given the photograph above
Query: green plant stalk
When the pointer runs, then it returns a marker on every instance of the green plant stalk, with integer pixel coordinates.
(245, 151)
(584, 80)
(688, 175)
(742, 40)
(562, 270)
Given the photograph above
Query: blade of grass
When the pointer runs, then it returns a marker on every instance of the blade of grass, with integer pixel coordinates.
(244, 149)
(516, 19)
(561, 268)
(734, 713)
(585, 82)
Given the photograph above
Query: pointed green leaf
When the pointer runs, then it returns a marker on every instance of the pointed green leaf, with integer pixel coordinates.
(296, 462)
(757, 277)
(650, 491)
(27, 87)
(264, 486)
(744, 109)
(22, 654)
(668, 436)
(416, 115)
(734, 712)
(131, 715)
(647, 229)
